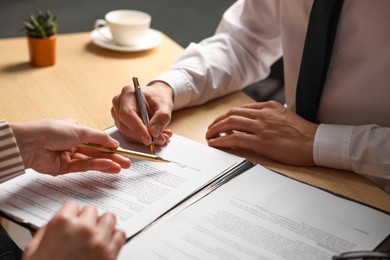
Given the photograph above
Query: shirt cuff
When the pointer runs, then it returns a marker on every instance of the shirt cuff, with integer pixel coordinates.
(179, 81)
(11, 162)
(332, 146)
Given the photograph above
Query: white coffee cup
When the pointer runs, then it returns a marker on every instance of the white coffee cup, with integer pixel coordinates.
(127, 27)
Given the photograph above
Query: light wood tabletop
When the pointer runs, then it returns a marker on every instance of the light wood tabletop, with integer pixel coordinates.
(86, 77)
(80, 85)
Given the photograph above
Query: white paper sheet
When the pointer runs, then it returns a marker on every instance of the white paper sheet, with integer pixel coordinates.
(263, 215)
(137, 195)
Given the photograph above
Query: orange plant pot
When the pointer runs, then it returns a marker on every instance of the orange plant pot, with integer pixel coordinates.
(42, 51)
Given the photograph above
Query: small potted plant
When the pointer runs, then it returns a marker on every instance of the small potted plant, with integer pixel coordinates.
(41, 32)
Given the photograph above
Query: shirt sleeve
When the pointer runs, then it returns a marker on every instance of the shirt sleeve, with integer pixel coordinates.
(363, 149)
(247, 42)
(11, 163)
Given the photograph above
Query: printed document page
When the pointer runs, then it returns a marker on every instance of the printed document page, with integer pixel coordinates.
(137, 195)
(261, 214)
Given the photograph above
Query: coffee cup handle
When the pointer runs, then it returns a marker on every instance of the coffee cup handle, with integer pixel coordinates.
(99, 23)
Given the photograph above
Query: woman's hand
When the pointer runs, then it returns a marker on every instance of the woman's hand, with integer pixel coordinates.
(77, 234)
(51, 146)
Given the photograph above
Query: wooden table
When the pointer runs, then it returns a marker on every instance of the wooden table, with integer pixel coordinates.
(82, 83)
(86, 77)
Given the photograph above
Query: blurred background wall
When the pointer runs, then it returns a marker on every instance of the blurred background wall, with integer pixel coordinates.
(182, 20)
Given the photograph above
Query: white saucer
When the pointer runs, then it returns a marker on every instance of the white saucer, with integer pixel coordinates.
(152, 39)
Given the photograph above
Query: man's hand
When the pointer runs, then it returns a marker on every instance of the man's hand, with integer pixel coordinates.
(267, 128)
(126, 114)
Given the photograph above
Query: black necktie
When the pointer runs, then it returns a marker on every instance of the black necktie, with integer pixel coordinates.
(316, 56)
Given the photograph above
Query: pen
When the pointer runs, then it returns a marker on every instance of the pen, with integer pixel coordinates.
(142, 108)
(125, 152)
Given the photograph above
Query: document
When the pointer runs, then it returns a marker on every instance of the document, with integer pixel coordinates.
(204, 204)
(261, 214)
(138, 195)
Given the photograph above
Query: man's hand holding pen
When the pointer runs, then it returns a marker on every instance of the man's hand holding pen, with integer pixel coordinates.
(127, 115)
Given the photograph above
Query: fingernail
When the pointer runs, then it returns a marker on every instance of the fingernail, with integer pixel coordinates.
(211, 141)
(159, 140)
(156, 129)
(145, 140)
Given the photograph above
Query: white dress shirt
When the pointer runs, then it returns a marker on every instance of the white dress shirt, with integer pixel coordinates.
(354, 111)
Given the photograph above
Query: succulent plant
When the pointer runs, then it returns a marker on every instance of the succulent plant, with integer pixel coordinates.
(41, 25)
